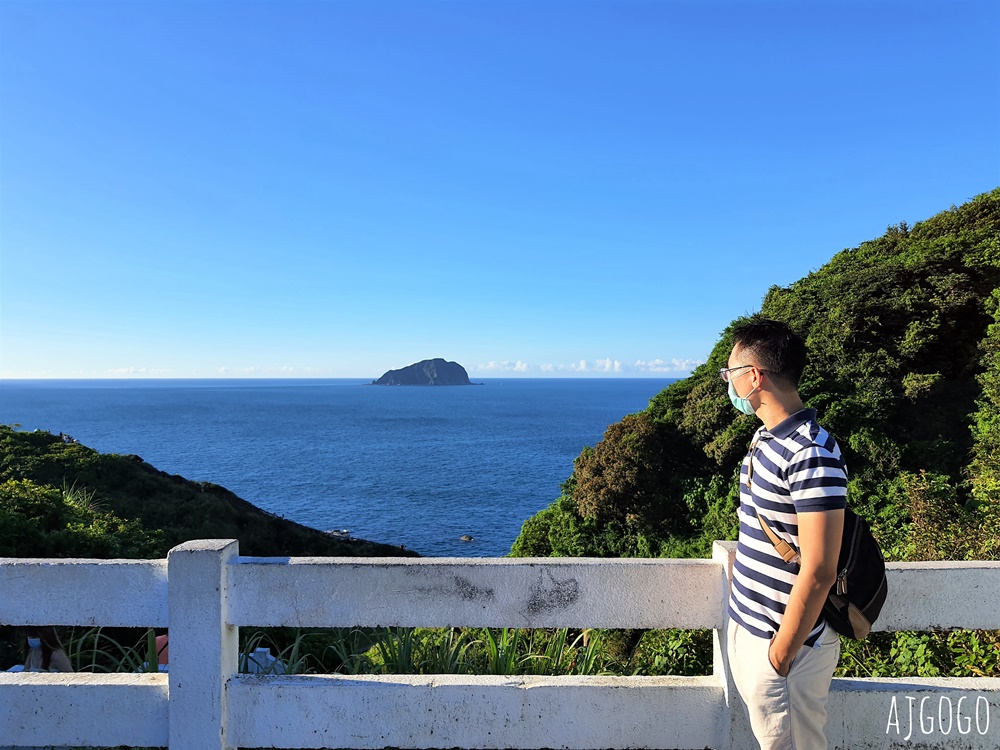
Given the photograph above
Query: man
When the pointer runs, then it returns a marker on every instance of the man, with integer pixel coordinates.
(781, 653)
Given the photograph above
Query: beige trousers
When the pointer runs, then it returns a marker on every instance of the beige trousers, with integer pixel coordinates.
(786, 713)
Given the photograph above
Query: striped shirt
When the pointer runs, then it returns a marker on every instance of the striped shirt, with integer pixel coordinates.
(797, 468)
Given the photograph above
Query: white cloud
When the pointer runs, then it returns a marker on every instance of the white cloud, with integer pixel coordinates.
(607, 365)
(119, 372)
(258, 371)
(599, 365)
(503, 366)
(672, 366)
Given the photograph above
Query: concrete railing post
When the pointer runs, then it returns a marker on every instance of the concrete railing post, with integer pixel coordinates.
(723, 554)
(204, 648)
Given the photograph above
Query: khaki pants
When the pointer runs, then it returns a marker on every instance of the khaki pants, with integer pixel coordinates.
(786, 713)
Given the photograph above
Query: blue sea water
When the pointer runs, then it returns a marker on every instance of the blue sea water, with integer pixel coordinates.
(414, 466)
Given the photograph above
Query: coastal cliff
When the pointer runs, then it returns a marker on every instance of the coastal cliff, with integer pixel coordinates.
(427, 372)
(59, 498)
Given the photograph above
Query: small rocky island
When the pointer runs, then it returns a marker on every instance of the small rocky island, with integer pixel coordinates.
(427, 372)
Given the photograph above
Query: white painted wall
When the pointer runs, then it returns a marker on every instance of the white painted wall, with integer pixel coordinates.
(204, 591)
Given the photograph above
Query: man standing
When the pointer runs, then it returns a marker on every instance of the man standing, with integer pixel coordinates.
(781, 653)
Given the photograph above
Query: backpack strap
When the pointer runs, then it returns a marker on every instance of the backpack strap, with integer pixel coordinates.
(788, 553)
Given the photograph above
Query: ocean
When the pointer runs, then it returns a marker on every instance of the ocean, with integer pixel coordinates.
(414, 466)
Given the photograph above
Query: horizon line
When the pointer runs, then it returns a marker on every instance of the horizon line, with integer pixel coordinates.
(512, 376)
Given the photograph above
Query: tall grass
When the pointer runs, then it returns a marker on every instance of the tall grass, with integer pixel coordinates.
(93, 650)
(82, 499)
(511, 651)
(501, 650)
(497, 651)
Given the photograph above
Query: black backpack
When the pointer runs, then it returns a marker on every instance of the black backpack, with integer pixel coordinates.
(856, 599)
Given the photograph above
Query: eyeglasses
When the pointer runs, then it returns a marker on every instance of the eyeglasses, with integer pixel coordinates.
(724, 371)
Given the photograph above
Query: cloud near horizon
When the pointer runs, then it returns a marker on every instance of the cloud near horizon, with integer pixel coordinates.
(673, 365)
(598, 366)
(122, 371)
(257, 371)
(503, 366)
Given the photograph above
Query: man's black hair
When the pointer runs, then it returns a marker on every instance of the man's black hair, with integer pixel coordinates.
(772, 346)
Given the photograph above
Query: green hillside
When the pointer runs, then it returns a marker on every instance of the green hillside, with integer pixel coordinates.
(904, 370)
(66, 500)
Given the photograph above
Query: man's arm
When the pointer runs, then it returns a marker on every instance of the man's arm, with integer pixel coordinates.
(820, 533)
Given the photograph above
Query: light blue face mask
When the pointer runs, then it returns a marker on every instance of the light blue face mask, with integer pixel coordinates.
(742, 403)
(34, 643)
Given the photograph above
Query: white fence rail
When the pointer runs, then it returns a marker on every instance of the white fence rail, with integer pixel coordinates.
(205, 591)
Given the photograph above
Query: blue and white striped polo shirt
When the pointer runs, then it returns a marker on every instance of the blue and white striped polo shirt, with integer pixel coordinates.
(797, 468)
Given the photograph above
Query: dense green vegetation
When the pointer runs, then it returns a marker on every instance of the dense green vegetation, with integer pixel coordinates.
(904, 340)
(62, 499)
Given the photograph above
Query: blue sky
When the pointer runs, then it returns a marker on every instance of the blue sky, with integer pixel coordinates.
(334, 189)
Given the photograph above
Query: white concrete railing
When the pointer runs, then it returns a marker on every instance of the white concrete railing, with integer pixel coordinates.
(204, 592)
